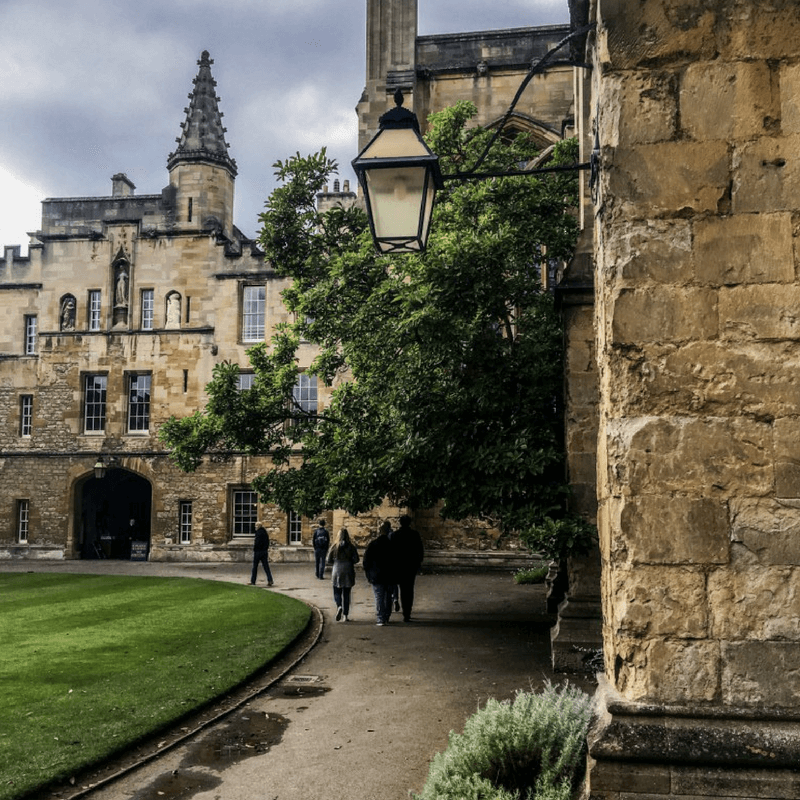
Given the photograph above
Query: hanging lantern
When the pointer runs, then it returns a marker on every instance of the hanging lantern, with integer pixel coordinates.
(399, 176)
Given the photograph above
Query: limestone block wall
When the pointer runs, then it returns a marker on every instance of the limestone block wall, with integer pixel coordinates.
(697, 294)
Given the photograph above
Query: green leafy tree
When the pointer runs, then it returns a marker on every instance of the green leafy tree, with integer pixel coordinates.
(445, 367)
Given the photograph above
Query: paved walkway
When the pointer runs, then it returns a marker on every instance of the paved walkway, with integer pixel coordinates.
(364, 711)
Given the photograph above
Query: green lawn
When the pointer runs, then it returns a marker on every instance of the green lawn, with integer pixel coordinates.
(91, 663)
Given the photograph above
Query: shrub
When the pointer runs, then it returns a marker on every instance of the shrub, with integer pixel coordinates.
(530, 748)
(555, 539)
(532, 575)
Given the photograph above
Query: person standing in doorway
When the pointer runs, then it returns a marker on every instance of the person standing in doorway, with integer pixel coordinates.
(379, 572)
(321, 541)
(344, 557)
(261, 554)
(407, 554)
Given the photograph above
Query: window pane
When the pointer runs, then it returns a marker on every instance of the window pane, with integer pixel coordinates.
(139, 403)
(245, 506)
(23, 518)
(148, 304)
(30, 334)
(305, 393)
(295, 528)
(253, 304)
(26, 415)
(245, 381)
(185, 521)
(94, 310)
(95, 403)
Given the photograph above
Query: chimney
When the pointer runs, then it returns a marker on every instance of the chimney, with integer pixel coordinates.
(121, 185)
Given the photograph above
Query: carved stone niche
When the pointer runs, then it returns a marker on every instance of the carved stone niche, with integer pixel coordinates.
(122, 286)
(173, 310)
(66, 313)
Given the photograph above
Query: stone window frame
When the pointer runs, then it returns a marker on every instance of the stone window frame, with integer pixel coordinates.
(23, 521)
(94, 310)
(245, 380)
(185, 521)
(138, 413)
(253, 320)
(95, 410)
(31, 325)
(26, 415)
(244, 512)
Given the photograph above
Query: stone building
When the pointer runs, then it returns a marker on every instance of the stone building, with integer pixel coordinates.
(113, 323)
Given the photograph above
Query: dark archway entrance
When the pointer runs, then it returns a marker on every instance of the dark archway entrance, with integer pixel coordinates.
(106, 507)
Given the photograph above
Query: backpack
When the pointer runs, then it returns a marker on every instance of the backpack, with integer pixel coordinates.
(321, 539)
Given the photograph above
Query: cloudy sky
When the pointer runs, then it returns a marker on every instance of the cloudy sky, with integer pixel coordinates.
(89, 88)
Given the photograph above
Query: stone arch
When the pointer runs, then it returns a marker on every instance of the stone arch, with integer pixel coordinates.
(103, 509)
(543, 134)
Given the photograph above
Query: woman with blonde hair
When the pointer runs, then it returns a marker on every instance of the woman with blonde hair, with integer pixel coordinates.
(344, 557)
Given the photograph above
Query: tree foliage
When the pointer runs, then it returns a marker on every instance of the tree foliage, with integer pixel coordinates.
(445, 367)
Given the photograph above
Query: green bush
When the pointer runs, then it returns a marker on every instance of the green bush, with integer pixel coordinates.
(530, 749)
(555, 539)
(531, 575)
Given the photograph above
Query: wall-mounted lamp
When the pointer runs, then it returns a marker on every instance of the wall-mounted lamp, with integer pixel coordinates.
(101, 466)
(399, 174)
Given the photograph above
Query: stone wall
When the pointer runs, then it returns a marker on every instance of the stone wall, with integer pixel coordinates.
(698, 342)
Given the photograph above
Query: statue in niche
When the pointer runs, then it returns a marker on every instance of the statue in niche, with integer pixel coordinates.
(173, 310)
(121, 288)
(66, 314)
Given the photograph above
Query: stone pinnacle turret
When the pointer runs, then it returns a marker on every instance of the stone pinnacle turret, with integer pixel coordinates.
(203, 136)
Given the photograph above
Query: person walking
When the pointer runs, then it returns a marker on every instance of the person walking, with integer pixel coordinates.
(344, 557)
(321, 541)
(407, 554)
(261, 554)
(379, 572)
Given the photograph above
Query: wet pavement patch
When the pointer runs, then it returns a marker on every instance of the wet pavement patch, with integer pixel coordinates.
(249, 733)
(178, 786)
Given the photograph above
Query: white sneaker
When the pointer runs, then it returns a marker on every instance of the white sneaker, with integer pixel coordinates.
(339, 613)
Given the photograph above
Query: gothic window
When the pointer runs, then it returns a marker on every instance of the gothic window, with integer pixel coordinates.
(30, 334)
(245, 507)
(138, 402)
(94, 403)
(253, 307)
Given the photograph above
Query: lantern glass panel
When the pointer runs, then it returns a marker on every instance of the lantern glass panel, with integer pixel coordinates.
(396, 196)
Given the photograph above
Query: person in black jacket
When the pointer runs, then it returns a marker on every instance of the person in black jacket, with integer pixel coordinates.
(260, 554)
(407, 554)
(379, 570)
(321, 541)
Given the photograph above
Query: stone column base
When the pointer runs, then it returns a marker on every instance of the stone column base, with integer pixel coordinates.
(648, 752)
(576, 640)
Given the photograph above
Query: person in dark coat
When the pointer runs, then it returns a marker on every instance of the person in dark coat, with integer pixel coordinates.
(380, 573)
(344, 557)
(407, 554)
(321, 541)
(260, 554)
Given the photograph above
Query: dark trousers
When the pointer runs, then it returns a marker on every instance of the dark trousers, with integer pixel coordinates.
(407, 595)
(319, 561)
(341, 596)
(383, 601)
(261, 558)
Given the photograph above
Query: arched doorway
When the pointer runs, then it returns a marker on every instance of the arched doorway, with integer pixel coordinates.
(114, 515)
